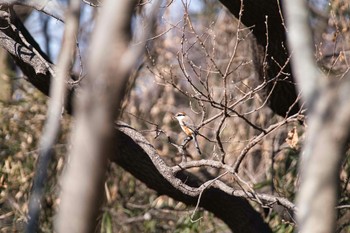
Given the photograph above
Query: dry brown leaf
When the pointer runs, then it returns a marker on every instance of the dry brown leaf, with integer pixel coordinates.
(293, 138)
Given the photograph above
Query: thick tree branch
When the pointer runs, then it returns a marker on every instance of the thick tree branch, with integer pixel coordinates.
(328, 132)
(304, 64)
(97, 108)
(138, 156)
(52, 124)
(323, 152)
(265, 19)
(34, 63)
(49, 7)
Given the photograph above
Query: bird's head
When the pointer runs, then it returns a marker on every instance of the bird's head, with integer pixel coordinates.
(180, 115)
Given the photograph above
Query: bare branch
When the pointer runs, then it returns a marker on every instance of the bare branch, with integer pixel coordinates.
(267, 199)
(111, 62)
(258, 138)
(52, 125)
(175, 180)
(50, 7)
(328, 132)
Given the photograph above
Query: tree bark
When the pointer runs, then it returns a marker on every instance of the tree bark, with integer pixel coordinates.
(328, 132)
(139, 157)
(266, 21)
(135, 154)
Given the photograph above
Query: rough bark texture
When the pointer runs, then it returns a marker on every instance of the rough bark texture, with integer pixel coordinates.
(7, 64)
(33, 62)
(35, 70)
(138, 156)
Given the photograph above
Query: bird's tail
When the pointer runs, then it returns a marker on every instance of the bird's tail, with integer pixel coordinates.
(196, 144)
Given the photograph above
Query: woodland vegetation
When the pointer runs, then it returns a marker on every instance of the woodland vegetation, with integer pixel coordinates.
(266, 83)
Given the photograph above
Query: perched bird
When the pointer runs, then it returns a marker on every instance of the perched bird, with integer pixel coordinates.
(188, 127)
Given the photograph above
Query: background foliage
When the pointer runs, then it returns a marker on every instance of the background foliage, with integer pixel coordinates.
(181, 64)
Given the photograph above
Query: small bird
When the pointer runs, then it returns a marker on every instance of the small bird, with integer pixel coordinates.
(188, 127)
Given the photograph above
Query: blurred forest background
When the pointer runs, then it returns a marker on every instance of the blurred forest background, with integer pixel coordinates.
(194, 43)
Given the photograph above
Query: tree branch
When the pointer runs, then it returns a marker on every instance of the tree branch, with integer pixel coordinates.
(328, 132)
(138, 157)
(50, 7)
(281, 94)
(52, 124)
